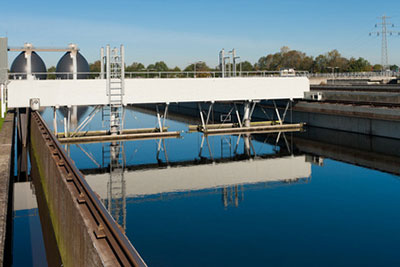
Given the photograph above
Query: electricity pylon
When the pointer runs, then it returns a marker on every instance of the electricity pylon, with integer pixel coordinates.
(384, 32)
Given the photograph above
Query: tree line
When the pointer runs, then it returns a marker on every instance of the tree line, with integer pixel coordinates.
(284, 59)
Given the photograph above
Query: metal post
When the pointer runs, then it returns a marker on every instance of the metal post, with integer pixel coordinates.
(237, 115)
(246, 116)
(277, 113)
(69, 120)
(65, 127)
(74, 53)
(55, 120)
(108, 73)
(234, 61)
(209, 112)
(202, 117)
(122, 53)
(102, 63)
(159, 119)
(222, 55)
(28, 56)
(74, 117)
(246, 122)
(165, 114)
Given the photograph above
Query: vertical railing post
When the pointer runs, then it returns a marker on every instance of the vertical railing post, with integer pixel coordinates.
(108, 73)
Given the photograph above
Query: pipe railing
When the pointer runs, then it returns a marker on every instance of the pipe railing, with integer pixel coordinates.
(160, 74)
(207, 74)
(355, 74)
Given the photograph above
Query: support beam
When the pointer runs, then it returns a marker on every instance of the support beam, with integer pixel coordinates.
(152, 91)
(69, 120)
(203, 123)
(55, 120)
(277, 113)
(246, 114)
(159, 119)
(28, 56)
(237, 115)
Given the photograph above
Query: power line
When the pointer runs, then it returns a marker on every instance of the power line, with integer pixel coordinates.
(384, 32)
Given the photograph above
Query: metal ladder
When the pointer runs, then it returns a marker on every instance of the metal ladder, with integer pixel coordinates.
(115, 88)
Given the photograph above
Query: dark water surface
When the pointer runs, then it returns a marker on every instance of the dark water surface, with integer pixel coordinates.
(294, 204)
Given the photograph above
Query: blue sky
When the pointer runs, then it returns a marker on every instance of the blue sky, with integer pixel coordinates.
(182, 32)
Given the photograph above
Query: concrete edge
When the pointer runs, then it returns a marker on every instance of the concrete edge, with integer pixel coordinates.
(6, 144)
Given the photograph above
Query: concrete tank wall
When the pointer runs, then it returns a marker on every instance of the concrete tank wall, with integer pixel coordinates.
(73, 232)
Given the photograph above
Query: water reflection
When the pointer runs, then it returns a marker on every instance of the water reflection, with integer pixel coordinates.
(248, 200)
(27, 234)
(115, 200)
(118, 183)
(196, 176)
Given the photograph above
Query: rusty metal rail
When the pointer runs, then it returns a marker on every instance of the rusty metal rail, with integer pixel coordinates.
(107, 228)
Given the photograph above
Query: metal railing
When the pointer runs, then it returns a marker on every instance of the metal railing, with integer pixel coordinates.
(368, 74)
(203, 74)
(158, 74)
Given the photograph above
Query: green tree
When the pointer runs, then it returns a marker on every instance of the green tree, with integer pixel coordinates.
(335, 60)
(360, 64)
(95, 67)
(286, 58)
(200, 67)
(377, 67)
(161, 66)
(246, 66)
(135, 67)
(394, 68)
(176, 69)
(51, 76)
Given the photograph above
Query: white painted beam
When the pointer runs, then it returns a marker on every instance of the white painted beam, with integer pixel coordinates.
(143, 91)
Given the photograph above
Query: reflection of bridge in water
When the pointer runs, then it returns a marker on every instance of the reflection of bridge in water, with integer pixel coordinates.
(117, 184)
(149, 182)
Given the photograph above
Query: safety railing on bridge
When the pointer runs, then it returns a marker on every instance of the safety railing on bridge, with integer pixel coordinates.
(355, 75)
(158, 74)
(203, 74)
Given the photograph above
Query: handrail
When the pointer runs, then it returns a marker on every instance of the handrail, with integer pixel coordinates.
(211, 74)
(166, 74)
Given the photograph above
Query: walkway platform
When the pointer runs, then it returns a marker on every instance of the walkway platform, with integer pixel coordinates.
(255, 127)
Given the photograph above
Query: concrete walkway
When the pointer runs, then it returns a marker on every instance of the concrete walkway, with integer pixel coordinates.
(6, 137)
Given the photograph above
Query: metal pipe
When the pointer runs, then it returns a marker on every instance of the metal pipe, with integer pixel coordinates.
(55, 120)
(108, 65)
(28, 56)
(102, 63)
(122, 52)
(65, 127)
(74, 64)
(246, 115)
(69, 120)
